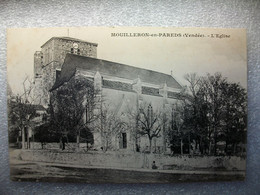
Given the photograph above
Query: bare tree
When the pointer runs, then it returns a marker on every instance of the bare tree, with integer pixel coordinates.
(21, 111)
(150, 123)
(112, 123)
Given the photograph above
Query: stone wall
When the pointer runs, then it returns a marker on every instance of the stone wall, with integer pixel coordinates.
(51, 57)
(64, 46)
(134, 160)
(124, 104)
(56, 145)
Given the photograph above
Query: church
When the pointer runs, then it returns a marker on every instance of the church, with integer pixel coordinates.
(122, 88)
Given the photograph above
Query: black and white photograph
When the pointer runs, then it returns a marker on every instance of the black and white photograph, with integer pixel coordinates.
(127, 104)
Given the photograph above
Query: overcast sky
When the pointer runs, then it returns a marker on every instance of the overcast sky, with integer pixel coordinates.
(164, 54)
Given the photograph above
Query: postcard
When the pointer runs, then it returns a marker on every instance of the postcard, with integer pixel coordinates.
(127, 104)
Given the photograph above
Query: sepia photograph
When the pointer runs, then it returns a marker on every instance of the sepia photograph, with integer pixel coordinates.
(127, 104)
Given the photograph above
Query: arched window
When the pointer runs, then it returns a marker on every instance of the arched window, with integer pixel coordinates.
(123, 141)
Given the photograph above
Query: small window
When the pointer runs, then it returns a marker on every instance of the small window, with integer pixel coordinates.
(124, 140)
(71, 50)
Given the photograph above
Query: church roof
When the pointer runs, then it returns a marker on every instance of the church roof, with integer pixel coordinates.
(72, 62)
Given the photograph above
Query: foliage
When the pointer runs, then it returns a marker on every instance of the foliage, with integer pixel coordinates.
(73, 109)
(213, 111)
(44, 134)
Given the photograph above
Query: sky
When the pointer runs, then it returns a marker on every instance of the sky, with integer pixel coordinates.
(181, 55)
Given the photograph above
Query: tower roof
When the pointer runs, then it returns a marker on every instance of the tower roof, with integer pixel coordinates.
(72, 62)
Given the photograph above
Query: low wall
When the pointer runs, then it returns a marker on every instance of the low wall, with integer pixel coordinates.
(55, 145)
(133, 160)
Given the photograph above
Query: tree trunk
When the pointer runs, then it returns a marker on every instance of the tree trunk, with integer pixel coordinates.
(209, 148)
(155, 150)
(226, 147)
(28, 139)
(200, 146)
(106, 145)
(190, 145)
(164, 141)
(234, 148)
(33, 141)
(78, 141)
(181, 147)
(215, 142)
(150, 147)
(63, 142)
(23, 138)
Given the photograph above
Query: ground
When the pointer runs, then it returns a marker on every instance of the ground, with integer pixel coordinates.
(50, 172)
